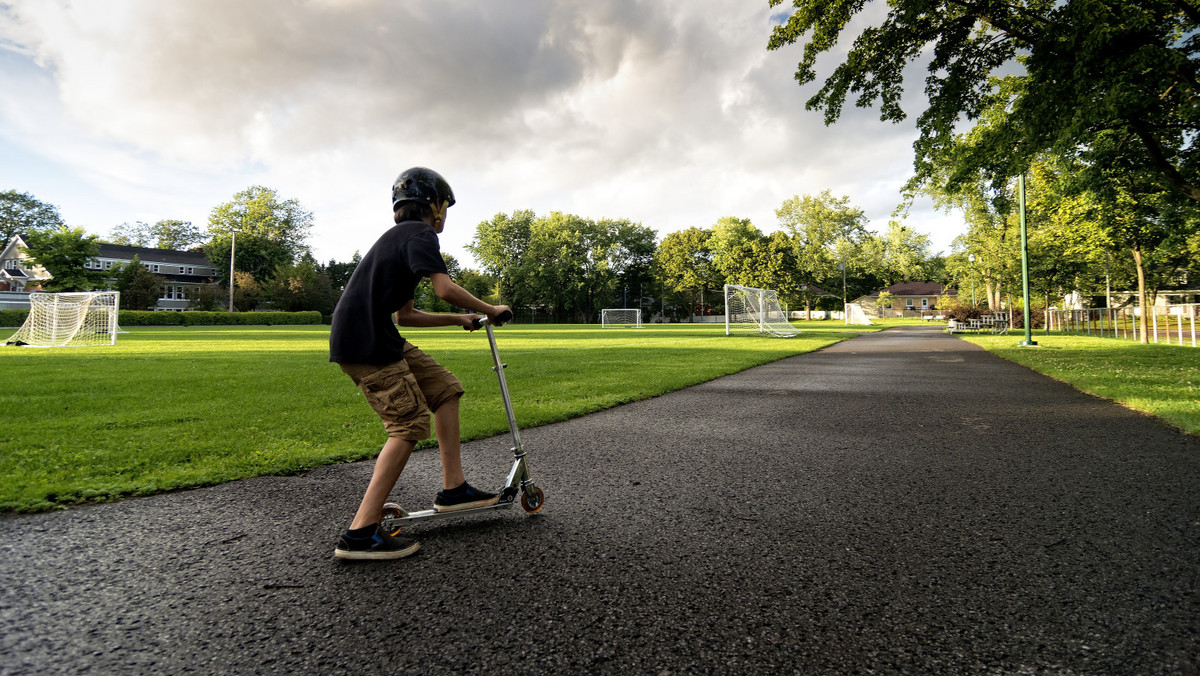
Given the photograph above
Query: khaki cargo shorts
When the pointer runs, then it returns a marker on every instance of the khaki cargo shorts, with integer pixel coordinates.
(404, 392)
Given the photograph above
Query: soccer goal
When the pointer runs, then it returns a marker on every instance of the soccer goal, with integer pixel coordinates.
(856, 315)
(748, 308)
(69, 320)
(626, 318)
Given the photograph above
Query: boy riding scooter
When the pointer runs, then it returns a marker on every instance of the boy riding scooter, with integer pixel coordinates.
(401, 383)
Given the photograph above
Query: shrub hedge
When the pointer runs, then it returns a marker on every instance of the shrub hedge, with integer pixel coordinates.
(15, 318)
(201, 318)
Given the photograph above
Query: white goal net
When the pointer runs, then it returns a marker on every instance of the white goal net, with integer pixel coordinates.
(69, 320)
(856, 315)
(748, 308)
(621, 317)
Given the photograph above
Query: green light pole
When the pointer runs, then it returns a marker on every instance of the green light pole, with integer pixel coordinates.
(1028, 342)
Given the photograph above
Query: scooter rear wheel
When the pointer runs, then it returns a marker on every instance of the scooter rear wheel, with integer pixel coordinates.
(532, 500)
(392, 511)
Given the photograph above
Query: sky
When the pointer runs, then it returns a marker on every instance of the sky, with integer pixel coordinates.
(668, 113)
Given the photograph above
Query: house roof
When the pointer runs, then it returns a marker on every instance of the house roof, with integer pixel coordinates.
(917, 289)
(145, 254)
(17, 273)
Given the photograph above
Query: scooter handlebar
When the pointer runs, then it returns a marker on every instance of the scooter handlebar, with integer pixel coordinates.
(502, 318)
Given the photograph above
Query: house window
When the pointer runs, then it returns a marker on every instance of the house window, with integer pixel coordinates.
(189, 270)
(155, 268)
(107, 265)
(908, 303)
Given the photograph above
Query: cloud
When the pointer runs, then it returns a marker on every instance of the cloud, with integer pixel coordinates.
(671, 113)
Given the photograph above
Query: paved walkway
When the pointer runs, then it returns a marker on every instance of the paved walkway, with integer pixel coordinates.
(900, 502)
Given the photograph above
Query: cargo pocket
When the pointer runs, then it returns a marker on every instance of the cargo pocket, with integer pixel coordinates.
(394, 394)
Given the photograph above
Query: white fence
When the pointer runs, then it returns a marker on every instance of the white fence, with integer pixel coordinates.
(1172, 324)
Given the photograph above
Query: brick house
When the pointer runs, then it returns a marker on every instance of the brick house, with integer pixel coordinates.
(909, 299)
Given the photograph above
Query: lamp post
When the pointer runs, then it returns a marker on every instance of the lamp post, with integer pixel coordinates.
(972, 259)
(1028, 342)
(232, 249)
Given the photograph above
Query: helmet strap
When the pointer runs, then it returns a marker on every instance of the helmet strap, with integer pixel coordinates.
(439, 210)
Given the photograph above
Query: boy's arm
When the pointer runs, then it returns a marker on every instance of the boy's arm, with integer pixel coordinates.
(452, 293)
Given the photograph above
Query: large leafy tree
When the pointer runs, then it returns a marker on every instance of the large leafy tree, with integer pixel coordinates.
(140, 289)
(1125, 67)
(827, 233)
(684, 262)
(63, 253)
(22, 213)
(499, 246)
(270, 232)
(300, 286)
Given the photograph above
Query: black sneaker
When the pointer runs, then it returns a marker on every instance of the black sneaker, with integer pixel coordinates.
(377, 547)
(465, 496)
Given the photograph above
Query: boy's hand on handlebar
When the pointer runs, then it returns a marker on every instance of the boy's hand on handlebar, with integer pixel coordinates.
(468, 322)
(501, 315)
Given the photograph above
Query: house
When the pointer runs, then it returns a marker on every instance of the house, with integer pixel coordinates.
(909, 299)
(179, 271)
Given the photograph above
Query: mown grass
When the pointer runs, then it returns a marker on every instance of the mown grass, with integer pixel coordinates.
(1159, 379)
(175, 407)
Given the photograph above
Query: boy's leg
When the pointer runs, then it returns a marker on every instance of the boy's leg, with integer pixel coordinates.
(388, 465)
(446, 424)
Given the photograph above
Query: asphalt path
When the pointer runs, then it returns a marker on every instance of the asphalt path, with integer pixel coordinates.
(902, 502)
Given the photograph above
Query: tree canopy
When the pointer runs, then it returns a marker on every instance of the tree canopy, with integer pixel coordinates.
(1127, 67)
(22, 213)
(63, 252)
(271, 232)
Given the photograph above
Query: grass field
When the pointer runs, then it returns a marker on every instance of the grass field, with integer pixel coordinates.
(1163, 380)
(173, 407)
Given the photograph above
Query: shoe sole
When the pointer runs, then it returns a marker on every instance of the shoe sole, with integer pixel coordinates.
(368, 555)
(466, 505)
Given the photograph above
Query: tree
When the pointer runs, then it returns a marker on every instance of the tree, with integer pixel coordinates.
(177, 235)
(827, 232)
(1090, 67)
(63, 253)
(300, 286)
(499, 245)
(137, 234)
(270, 232)
(21, 214)
(140, 289)
(339, 273)
(684, 261)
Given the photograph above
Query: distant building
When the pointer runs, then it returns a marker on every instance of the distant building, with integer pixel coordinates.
(908, 298)
(179, 270)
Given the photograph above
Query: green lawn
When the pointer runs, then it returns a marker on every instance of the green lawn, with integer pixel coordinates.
(172, 407)
(1160, 379)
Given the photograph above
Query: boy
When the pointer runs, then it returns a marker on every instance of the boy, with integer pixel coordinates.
(399, 381)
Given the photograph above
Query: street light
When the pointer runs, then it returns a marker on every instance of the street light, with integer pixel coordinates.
(972, 259)
(232, 248)
(1028, 342)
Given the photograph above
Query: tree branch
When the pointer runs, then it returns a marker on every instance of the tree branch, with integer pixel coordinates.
(1174, 178)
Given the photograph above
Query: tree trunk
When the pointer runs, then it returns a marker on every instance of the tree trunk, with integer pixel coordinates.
(1141, 275)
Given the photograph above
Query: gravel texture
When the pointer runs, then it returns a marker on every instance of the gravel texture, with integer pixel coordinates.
(902, 502)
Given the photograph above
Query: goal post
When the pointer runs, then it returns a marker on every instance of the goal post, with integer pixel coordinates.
(758, 310)
(626, 318)
(74, 319)
(855, 314)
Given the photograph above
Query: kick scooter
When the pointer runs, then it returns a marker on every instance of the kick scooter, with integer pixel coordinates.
(519, 480)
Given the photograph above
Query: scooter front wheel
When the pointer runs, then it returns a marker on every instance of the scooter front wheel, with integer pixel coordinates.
(532, 500)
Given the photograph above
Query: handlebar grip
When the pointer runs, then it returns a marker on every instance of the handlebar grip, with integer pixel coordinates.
(503, 318)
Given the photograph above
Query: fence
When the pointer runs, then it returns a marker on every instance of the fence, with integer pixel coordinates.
(1172, 324)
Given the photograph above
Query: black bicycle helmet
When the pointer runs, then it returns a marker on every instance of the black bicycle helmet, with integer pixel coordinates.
(421, 185)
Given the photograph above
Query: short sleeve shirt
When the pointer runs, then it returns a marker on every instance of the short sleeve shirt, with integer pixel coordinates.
(383, 282)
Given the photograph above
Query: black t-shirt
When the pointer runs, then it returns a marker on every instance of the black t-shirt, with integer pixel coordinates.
(383, 282)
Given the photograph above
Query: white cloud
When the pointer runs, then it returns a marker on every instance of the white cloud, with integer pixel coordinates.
(669, 113)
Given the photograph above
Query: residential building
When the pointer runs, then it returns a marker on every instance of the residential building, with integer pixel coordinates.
(909, 299)
(179, 270)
